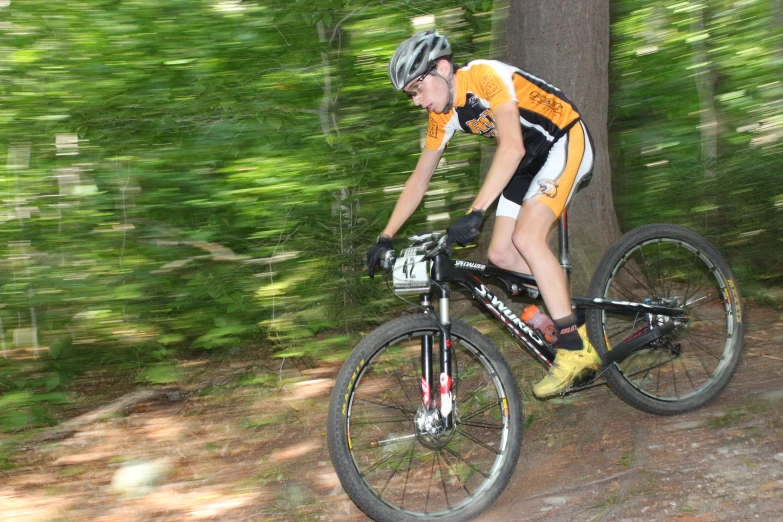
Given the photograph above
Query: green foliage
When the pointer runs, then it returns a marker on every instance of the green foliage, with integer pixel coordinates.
(160, 373)
(696, 125)
(21, 407)
(199, 174)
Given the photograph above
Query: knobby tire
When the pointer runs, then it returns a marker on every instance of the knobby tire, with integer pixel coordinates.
(388, 471)
(675, 266)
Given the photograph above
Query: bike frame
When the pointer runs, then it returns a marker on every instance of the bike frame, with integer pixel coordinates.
(469, 274)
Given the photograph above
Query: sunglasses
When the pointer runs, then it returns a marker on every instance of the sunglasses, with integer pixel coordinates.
(419, 80)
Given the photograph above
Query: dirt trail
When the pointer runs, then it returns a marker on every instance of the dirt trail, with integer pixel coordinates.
(248, 442)
(606, 461)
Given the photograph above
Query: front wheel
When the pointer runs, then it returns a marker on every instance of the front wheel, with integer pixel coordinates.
(391, 468)
(672, 266)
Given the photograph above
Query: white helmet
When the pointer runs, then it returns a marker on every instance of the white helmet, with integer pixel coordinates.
(416, 56)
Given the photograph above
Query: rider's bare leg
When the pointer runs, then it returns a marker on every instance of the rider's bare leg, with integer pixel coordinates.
(573, 354)
(502, 252)
(530, 241)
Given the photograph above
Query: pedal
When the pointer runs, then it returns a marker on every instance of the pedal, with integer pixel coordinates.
(583, 378)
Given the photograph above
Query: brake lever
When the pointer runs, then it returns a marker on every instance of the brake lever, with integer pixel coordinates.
(443, 246)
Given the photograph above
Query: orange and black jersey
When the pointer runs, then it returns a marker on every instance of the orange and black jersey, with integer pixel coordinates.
(545, 114)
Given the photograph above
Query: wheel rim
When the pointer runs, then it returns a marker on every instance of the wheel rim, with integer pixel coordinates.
(691, 359)
(436, 479)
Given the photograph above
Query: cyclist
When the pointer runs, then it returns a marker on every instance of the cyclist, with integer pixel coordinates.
(543, 153)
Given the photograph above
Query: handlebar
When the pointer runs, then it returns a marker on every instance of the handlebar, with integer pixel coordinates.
(430, 245)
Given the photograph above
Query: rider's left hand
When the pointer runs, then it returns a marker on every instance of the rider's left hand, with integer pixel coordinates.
(377, 252)
(466, 228)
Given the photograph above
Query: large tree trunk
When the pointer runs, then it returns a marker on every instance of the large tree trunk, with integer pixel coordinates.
(567, 44)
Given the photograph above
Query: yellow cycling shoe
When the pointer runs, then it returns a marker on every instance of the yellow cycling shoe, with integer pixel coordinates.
(568, 365)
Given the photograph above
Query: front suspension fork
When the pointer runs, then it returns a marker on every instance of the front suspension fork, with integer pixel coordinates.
(445, 404)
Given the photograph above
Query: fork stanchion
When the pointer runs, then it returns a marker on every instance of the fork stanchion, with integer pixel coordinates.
(445, 346)
(426, 361)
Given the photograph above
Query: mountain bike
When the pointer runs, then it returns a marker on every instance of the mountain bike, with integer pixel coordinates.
(424, 433)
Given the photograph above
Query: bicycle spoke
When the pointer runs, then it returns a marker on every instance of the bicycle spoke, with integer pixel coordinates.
(709, 301)
(687, 373)
(649, 368)
(407, 475)
(443, 480)
(687, 293)
(355, 423)
(611, 331)
(456, 474)
(646, 275)
(404, 388)
(648, 287)
(468, 464)
(701, 361)
(698, 344)
(479, 386)
(482, 425)
(477, 441)
(669, 293)
(480, 411)
(396, 468)
(713, 318)
(625, 293)
(382, 461)
(714, 337)
(628, 361)
(654, 366)
(375, 444)
(429, 486)
(408, 412)
(410, 402)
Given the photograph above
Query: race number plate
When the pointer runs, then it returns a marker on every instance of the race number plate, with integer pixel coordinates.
(411, 273)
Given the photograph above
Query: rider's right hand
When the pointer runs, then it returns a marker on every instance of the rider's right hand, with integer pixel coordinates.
(377, 252)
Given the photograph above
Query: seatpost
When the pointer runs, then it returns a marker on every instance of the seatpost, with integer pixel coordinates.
(564, 246)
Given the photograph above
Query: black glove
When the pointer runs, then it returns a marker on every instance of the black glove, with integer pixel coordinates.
(466, 228)
(376, 253)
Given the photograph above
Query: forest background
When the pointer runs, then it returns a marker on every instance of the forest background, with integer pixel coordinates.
(195, 176)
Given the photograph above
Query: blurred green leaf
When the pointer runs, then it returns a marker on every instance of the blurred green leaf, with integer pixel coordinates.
(52, 382)
(161, 373)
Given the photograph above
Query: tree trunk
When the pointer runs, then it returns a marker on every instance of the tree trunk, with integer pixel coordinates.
(324, 113)
(567, 44)
(705, 88)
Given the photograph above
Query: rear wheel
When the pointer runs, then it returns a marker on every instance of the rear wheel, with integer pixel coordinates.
(671, 266)
(392, 468)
